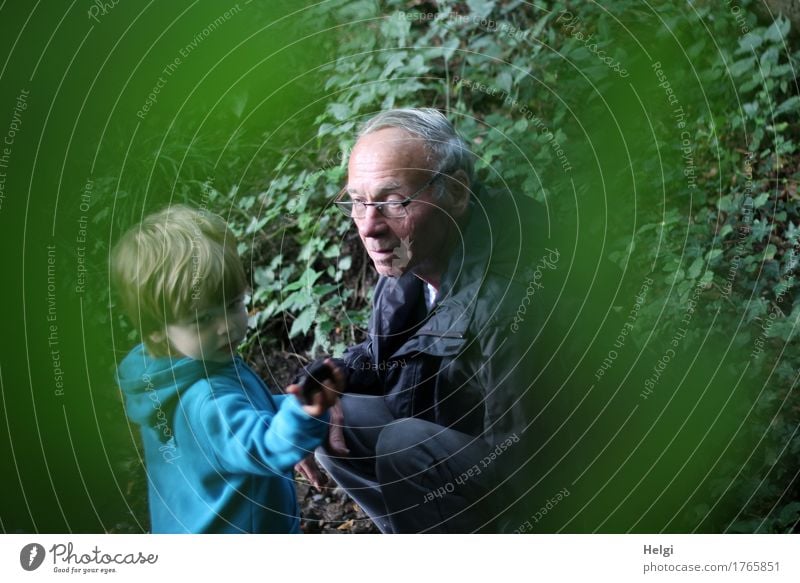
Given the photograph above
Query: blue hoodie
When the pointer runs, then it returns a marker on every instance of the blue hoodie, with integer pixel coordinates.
(219, 448)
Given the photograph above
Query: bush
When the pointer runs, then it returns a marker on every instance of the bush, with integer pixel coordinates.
(660, 143)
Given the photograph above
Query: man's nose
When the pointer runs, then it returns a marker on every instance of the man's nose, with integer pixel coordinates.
(372, 224)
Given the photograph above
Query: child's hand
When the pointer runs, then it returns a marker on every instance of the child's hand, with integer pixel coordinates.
(325, 398)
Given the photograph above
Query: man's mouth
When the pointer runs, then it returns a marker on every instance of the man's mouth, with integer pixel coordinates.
(387, 251)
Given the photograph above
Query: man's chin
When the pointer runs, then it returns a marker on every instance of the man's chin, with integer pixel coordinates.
(387, 269)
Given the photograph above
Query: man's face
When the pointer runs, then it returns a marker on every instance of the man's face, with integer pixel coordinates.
(212, 335)
(391, 164)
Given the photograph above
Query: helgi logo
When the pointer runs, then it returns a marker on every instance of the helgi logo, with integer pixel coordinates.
(31, 556)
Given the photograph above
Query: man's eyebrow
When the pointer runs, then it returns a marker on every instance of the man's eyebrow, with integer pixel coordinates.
(388, 187)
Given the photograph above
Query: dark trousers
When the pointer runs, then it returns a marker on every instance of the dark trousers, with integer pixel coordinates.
(410, 475)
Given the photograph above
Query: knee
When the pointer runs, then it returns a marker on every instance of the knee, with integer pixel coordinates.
(402, 446)
(327, 461)
(405, 434)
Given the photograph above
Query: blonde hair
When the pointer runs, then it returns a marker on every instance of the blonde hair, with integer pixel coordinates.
(174, 262)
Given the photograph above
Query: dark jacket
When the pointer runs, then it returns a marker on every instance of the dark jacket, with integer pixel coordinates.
(469, 364)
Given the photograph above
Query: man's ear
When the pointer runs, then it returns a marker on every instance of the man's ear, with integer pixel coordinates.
(458, 190)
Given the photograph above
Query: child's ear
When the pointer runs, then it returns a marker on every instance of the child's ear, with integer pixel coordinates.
(156, 337)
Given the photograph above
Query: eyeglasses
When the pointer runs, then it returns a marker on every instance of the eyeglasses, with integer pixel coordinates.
(391, 209)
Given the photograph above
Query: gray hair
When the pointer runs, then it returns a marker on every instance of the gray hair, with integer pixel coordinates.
(444, 145)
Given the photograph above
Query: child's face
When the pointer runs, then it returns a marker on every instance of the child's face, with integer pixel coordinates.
(213, 334)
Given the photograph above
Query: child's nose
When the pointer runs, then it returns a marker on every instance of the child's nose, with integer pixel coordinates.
(223, 324)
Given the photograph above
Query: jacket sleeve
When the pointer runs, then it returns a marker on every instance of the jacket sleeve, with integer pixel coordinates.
(360, 371)
(242, 439)
(506, 379)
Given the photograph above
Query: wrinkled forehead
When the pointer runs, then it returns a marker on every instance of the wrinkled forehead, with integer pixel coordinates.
(387, 151)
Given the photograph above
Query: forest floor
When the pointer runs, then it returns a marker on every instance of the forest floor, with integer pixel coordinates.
(330, 510)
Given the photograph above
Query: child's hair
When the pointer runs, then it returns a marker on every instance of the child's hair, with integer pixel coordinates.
(174, 262)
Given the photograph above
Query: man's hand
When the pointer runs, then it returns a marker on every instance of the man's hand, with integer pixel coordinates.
(325, 398)
(309, 469)
(336, 444)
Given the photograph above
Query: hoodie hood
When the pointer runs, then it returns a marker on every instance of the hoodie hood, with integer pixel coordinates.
(152, 386)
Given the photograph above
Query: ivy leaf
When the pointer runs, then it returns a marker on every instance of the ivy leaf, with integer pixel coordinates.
(777, 30)
(339, 111)
(761, 200)
(480, 8)
(695, 268)
(749, 42)
(792, 104)
(303, 322)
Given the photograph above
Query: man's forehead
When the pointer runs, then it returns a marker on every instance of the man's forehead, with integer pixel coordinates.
(389, 147)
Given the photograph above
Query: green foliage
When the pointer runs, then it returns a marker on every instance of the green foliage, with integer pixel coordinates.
(708, 209)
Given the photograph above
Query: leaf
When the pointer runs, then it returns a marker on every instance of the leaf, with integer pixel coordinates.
(394, 62)
(345, 263)
(504, 80)
(449, 47)
(742, 66)
(480, 8)
(778, 29)
(792, 104)
(695, 268)
(339, 111)
(303, 322)
(760, 200)
(749, 42)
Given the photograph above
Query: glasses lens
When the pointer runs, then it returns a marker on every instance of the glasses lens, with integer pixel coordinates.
(359, 210)
(393, 210)
(345, 207)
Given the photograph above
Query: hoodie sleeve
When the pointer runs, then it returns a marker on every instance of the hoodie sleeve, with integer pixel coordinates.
(242, 439)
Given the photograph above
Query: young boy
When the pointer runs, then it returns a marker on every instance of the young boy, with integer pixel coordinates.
(219, 448)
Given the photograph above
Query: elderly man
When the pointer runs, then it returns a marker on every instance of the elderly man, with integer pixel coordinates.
(435, 412)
